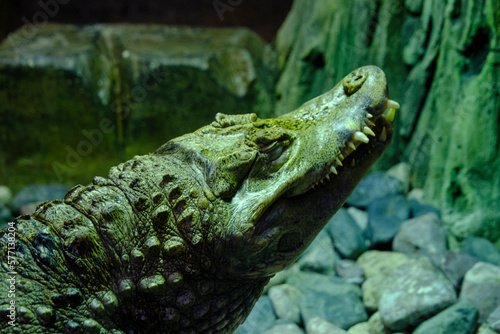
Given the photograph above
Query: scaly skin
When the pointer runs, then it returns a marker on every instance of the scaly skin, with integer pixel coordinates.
(183, 240)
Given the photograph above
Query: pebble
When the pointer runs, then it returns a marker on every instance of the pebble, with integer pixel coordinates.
(481, 286)
(422, 236)
(456, 264)
(418, 290)
(286, 299)
(320, 256)
(37, 194)
(320, 326)
(494, 319)
(347, 237)
(401, 172)
(285, 328)
(481, 248)
(260, 319)
(373, 187)
(350, 271)
(385, 216)
(418, 208)
(376, 262)
(460, 318)
(5, 195)
(359, 216)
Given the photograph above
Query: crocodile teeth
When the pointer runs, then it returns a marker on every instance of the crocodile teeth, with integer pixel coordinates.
(351, 145)
(358, 135)
(383, 135)
(389, 114)
(392, 104)
(339, 163)
(333, 170)
(368, 115)
(368, 131)
(370, 123)
(341, 156)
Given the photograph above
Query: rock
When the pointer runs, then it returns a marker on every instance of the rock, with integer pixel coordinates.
(418, 290)
(260, 319)
(416, 194)
(5, 195)
(460, 318)
(481, 248)
(385, 217)
(494, 320)
(350, 271)
(375, 263)
(455, 265)
(481, 286)
(28, 208)
(418, 208)
(373, 288)
(373, 187)
(422, 236)
(401, 172)
(347, 236)
(317, 325)
(320, 256)
(329, 298)
(486, 329)
(5, 215)
(285, 328)
(37, 194)
(286, 299)
(374, 325)
(359, 216)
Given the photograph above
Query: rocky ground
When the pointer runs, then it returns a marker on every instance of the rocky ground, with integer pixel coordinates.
(381, 265)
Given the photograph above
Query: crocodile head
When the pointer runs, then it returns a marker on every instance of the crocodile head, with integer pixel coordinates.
(278, 181)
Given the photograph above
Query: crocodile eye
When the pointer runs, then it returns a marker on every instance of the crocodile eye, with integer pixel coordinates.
(276, 152)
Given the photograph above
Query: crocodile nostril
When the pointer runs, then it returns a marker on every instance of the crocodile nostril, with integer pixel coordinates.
(353, 81)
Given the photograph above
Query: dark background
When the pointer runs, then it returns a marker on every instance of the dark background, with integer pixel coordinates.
(262, 16)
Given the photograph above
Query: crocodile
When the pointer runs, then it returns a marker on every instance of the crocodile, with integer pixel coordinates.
(183, 240)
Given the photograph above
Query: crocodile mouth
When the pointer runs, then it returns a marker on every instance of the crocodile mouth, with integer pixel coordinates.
(373, 135)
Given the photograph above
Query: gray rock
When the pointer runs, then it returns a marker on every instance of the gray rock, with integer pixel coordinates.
(5, 195)
(342, 310)
(377, 263)
(422, 236)
(494, 320)
(481, 286)
(320, 326)
(373, 288)
(350, 271)
(320, 256)
(460, 318)
(456, 264)
(486, 329)
(481, 248)
(37, 194)
(373, 187)
(359, 216)
(285, 328)
(418, 208)
(329, 298)
(286, 299)
(418, 290)
(260, 319)
(385, 217)
(401, 172)
(347, 236)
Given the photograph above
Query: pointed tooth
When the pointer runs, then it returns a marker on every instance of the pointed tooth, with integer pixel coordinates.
(370, 123)
(351, 145)
(341, 156)
(368, 131)
(368, 115)
(383, 135)
(389, 114)
(338, 162)
(358, 135)
(392, 104)
(328, 177)
(333, 170)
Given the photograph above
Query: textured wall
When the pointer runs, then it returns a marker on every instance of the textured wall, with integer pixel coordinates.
(442, 60)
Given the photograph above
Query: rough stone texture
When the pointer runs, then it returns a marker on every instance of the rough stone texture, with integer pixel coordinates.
(260, 319)
(374, 325)
(456, 265)
(481, 286)
(442, 57)
(102, 93)
(347, 236)
(460, 318)
(385, 218)
(285, 328)
(418, 290)
(350, 271)
(320, 326)
(373, 187)
(481, 248)
(320, 256)
(422, 236)
(494, 319)
(285, 299)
